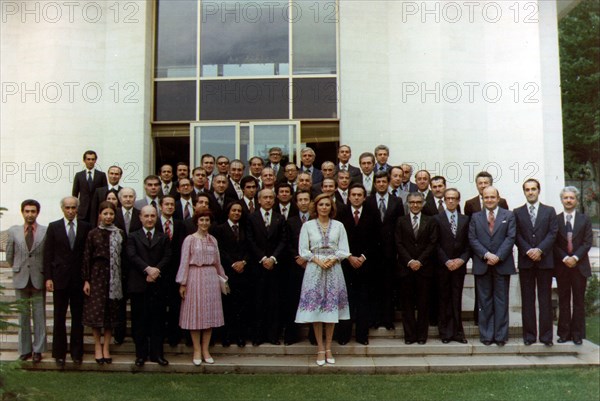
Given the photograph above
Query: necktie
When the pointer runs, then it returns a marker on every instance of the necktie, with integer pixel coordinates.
(267, 219)
(569, 234)
(149, 236)
(303, 218)
(238, 190)
(395, 192)
(381, 168)
(153, 204)
(382, 208)
(345, 197)
(491, 221)
(309, 171)
(415, 225)
(275, 169)
(236, 232)
(368, 182)
(284, 211)
(168, 229)
(220, 200)
(186, 210)
(453, 224)
(344, 167)
(166, 189)
(356, 216)
(29, 237)
(440, 205)
(251, 206)
(71, 235)
(90, 180)
(127, 219)
(532, 214)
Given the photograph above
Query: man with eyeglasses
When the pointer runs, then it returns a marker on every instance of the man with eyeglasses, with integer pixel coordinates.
(275, 156)
(184, 207)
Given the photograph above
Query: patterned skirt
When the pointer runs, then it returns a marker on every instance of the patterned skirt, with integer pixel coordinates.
(202, 307)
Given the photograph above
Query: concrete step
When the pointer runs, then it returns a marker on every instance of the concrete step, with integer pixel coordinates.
(365, 360)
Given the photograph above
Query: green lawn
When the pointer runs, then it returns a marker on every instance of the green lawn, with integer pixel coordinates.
(514, 385)
(592, 328)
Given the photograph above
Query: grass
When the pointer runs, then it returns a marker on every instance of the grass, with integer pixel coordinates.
(592, 328)
(528, 384)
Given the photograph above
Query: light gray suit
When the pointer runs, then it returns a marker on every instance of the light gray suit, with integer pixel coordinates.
(28, 266)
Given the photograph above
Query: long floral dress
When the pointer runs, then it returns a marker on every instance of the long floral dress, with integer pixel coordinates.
(323, 296)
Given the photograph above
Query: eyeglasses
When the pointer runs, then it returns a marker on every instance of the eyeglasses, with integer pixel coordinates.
(222, 163)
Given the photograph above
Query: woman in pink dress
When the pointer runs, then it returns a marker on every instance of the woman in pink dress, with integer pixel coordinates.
(200, 288)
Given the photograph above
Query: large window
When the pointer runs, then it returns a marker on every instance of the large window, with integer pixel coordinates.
(246, 60)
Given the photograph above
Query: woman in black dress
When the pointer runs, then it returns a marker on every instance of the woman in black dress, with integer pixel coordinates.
(102, 280)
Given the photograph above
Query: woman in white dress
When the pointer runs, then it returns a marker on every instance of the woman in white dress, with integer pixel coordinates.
(323, 299)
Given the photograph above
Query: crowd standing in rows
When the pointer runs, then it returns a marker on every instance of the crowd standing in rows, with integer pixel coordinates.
(258, 255)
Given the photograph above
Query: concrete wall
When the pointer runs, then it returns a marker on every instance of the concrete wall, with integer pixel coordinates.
(455, 88)
(75, 76)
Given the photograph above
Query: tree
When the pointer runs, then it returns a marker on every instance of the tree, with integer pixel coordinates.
(580, 81)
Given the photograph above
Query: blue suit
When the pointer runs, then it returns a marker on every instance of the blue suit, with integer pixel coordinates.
(533, 274)
(493, 281)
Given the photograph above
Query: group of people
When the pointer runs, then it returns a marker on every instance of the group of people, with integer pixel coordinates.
(259, 254)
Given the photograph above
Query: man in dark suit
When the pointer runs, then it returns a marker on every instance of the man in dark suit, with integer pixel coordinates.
(249, 200)
(474, 205)
(382, 153)
(127, 218)
(85, 184)
(344, 154)
(492, 234)
(423, 179)
(396, 175)
(307, 157)
(283, 203)
(573, 242)
(114, 176)
(267, 236)
(149, 253)
(175, 230)
(234, 250)
(416, 237)
(25, 257)
(200, 181)
(290, 175)
(255, 166)
(184, 204)
(275, 155)
(182, 170)
(151, 193)
(453, 253)
(383, 278)
(536, 233)
(221, 199)
(407, 184)
(167, 185)
(63, 257)
(236, 172)
(482, 181)
(367, 175)
(296, 267)
(361, 224)
(343, 184)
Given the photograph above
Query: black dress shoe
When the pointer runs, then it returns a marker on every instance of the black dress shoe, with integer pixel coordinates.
(290, 342)
(421, 342)
(77, 361)
(107, 360)
(562, 340)
(408, 342)
(390, 326)
(486, 342)
(24, 357)
(527, 342)
(445, 340)
(462, 340)
(241, 343)
(256, 343)
(548, 343)
(500, 343)
(363, 341)
(275, 342)
(60, 362)
(226, 343)
(139, 362)
(100, 361)
(579, 341)
(119, 341)
(161, 361)
(342, 342)
(37, 357)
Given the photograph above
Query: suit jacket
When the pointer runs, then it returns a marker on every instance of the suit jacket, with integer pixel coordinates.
(232, 251)
(134, 224)
(219, 212)
(421, 247)
(26, 264)
(317, 175)
(541, 236)
(280, 173)
(230, 192)
(172, 190)
(359, 179)
(178, 214)
(141, 254)
(412, 187)
(292, 208)
(140, 203)
(473, 205)
(354, 171)
(450, 246)
(582, 242)
(387, 228)
(62, 264)
(98, 198)
(363, 238)
(500, 242)
(179, 233)
(266, 242)
(82, 191)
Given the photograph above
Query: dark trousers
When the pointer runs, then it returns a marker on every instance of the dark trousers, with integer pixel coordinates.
(120, 332)
(492, 292)
(291, 301)
(236, 308)
(533, 279)
(571, 316)
(266, 301)
(148, 313)
(415, 306)
(63, 299)
(450, 303)
(357, 285)
(173, 331)
(382, 294)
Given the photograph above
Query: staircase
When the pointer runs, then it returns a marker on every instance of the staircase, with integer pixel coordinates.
(386, 352)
